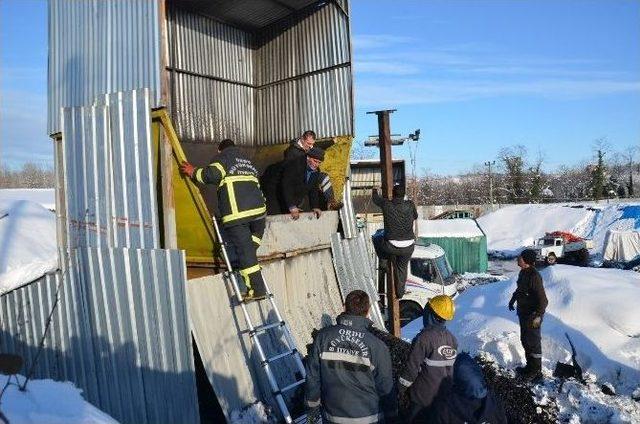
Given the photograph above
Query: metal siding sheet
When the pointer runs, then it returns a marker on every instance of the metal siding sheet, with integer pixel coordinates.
(355, 272)
(106, 335)
(99, 46)
(464, 254)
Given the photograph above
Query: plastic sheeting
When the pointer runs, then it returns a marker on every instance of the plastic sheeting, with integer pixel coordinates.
(621, 246)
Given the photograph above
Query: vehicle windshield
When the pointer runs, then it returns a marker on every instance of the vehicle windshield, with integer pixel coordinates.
(545, 242)
(444, 267)
(423, 268)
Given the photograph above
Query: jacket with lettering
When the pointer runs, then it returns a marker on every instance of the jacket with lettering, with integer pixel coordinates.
(530, 295)
(239, 196)
(430, 363)
(349, 374)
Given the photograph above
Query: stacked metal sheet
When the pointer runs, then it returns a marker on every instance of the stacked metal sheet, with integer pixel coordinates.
(109, 179)
(354, 271)
(120, 332)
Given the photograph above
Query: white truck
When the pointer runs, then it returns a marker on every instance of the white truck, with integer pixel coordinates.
(562, 245)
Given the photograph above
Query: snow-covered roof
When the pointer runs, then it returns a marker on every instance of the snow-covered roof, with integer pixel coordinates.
(45, 196)
(448, 228)
(429, 251)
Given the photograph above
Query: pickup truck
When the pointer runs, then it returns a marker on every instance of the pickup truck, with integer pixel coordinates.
(562, 245)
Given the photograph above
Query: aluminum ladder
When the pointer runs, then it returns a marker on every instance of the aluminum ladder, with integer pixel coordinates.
(265, 362)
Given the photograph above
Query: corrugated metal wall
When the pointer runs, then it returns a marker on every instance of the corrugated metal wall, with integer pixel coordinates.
(120, 332)
(261, 89)
(108, 172)
(100, 47)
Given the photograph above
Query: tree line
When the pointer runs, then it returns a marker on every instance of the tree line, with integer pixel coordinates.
(517, 176)
(31, 175)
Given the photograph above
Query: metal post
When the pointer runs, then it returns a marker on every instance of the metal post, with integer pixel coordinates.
(489, 164)
(386, 167)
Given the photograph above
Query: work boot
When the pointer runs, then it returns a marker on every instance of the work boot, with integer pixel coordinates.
(334, 205)
(533, 373)
(520, 371)
(251, 295)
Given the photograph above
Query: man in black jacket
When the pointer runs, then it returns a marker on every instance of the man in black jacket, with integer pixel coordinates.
(241, 207)
(433, 352)
(398, 241)
(288, 183)
(300, 148)
(349, 372)
(532, 303)
(469, 401)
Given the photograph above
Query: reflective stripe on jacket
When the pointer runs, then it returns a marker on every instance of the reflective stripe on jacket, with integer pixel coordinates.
(430, 364)
(239, 196)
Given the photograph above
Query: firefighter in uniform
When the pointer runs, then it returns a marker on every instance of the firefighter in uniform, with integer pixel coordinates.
(241, 207)
(532, 303)
(429, 368)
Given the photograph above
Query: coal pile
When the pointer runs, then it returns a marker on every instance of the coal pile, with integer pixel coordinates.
(517, 397)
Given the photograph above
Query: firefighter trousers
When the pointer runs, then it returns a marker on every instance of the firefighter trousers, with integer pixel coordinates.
(245, 239)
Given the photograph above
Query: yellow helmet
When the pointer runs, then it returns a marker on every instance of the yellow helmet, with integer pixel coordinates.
(442, 305)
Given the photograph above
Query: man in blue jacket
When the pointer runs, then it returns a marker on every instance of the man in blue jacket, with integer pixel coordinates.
(349, 372)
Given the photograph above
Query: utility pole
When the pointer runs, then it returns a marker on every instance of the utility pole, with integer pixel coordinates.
(386, 168)
(489, 165)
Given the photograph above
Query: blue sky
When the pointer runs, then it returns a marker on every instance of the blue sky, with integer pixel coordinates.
(473, 75)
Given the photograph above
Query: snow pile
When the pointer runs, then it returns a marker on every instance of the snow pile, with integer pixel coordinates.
(448, 228)
(512, 228)
(596, 307)
(256, 413)
(27, 243)
(50, 402)
(45, 196)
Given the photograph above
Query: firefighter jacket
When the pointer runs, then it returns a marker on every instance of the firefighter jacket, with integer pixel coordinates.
(239, 196)
(430, 364)
(349, 374)
(530, 295)
(398, 215)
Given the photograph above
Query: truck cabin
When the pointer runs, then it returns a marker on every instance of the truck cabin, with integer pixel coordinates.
(432, 269)
(550, 241)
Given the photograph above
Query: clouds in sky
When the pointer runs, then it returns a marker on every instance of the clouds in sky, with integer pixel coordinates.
(397, 70)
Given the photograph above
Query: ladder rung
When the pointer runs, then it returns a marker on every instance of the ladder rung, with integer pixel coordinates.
(281, 355)
(292, 386)
(263, 328)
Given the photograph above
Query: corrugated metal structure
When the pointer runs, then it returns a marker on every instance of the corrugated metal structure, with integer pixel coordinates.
(465, 252)
(119, 331)
(108, 172)
(259, 78)
(354, 271)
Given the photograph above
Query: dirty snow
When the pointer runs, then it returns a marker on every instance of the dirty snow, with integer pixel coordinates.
(28, 247)
(512, 228)
(596, 307)
(448, 228)
(256, 413)
(50, 402)
(44, 196)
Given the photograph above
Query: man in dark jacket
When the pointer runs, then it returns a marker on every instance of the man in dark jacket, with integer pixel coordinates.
(287, 184)
(433, 352)
(241, 207)
(299, 148)
(532, 303)
(469, 401)
(397, 242)
(349, 371)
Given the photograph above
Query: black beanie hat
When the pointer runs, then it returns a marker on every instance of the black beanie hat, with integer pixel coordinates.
(316, 153)
(528, 256)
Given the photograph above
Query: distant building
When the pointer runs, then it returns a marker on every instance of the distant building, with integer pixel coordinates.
(365, 175)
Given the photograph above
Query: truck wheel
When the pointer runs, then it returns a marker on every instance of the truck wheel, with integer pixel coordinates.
(551, 259)
(409, 311)
(582, 257)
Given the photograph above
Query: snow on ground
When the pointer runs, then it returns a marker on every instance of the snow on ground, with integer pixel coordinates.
(448, 228)
(512, 228)
(28, 247)
(45, 196)
(50, 402)
(596, 307)
(256, 413)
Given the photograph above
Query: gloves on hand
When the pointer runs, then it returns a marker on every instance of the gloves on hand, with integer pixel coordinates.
(536, 322)
(511, 307)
